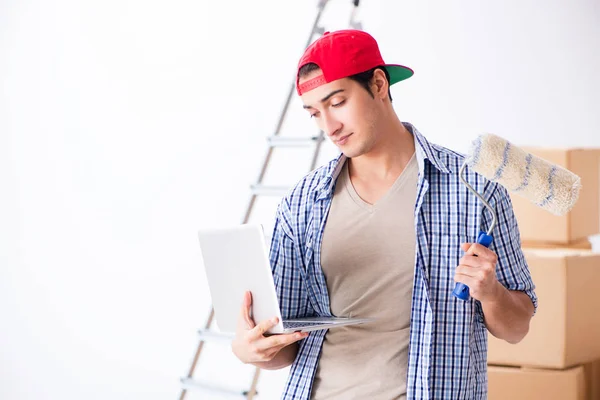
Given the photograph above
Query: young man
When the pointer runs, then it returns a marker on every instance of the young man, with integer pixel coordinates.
(385, 231)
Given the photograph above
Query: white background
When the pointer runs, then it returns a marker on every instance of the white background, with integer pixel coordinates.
(127, 125)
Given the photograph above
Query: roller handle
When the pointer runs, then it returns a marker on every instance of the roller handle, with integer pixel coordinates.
(461, 290)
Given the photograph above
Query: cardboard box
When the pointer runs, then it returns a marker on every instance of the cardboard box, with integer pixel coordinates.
(583, 244)
(516, 383)
(592, 377)
(579, 382)
(538, 225)
(566, 328)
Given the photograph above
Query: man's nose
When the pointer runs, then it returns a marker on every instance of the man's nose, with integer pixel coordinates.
(331, 125)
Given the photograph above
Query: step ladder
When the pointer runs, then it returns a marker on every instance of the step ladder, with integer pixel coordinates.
(206, 335)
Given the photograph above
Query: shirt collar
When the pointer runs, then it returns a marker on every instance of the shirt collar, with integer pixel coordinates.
(423, 149)
(426, 150)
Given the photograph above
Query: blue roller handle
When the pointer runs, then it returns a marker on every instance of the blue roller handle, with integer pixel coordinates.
(461, 290)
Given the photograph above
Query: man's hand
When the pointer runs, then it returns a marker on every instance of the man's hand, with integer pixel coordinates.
(250, 344)
(477, 270)
(506, 312)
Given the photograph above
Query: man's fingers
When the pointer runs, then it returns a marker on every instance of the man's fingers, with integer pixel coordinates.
(294, 337)
(472, 261)
(278, 342)
(245, 310)
(466, 270)
(259, 330)
(472, 249)
(478, 250)
(470, 281)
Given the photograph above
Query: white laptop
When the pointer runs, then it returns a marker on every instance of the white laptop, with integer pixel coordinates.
(236, 260)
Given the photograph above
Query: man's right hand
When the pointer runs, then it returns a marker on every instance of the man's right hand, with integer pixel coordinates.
(251, 345)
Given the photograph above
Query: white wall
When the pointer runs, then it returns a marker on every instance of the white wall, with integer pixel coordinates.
(525, 70)
(127, 125)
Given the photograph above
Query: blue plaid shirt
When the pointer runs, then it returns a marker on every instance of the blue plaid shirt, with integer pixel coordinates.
(448, 337)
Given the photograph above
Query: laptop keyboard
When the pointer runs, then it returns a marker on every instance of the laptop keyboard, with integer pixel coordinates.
(293, 324)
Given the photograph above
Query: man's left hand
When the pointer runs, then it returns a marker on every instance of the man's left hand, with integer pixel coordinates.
(477, 270)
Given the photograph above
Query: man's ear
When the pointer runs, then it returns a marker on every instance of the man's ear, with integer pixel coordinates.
(380, 83)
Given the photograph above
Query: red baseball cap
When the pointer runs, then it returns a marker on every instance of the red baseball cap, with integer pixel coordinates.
(343, 53)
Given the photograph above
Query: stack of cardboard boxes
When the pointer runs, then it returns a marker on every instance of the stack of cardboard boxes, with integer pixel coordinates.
(560, 356)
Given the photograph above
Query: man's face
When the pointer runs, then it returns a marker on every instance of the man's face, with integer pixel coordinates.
(345, 111)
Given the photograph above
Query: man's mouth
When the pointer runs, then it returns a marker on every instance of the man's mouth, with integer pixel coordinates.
(343, 139)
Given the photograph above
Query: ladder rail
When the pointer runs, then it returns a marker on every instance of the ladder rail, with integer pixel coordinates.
(318, 140)
(190, 374)
(313, 162)
(252, 391)
(315, 28)
(281, 120)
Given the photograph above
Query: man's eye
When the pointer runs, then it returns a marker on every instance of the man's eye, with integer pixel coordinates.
(338, 104)
(314, 115)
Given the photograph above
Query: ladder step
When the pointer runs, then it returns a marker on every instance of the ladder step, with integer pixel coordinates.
(282, 141)
(190, 384)
(266, 190)
(212, 336)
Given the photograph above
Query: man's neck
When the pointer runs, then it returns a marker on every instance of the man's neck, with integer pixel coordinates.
(388, 158)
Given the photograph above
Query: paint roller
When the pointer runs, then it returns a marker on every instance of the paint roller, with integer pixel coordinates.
(549, 186)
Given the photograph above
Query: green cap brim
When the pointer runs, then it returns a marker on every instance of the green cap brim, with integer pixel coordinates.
(398, 73)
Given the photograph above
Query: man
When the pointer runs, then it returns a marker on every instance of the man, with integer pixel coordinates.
(385, 230)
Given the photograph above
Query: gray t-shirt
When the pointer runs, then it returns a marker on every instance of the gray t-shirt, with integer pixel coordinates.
(368, 258)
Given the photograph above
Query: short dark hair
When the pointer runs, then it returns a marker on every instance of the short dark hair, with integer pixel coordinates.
(363, 78)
